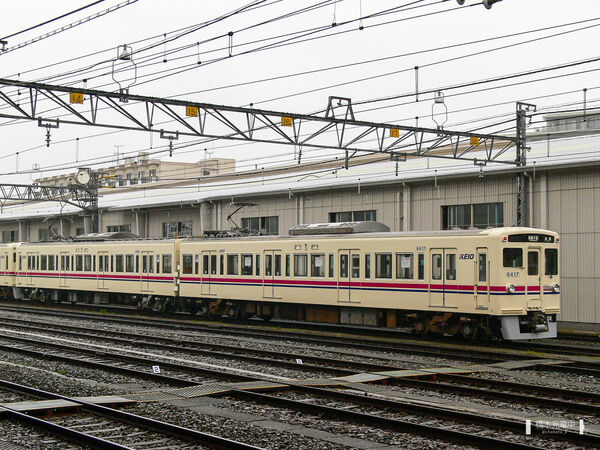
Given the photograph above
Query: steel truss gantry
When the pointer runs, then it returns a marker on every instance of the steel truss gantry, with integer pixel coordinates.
(82, 195)
(336, 129)
(172, 118)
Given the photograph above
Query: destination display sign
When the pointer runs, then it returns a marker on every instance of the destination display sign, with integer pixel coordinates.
(530, 237)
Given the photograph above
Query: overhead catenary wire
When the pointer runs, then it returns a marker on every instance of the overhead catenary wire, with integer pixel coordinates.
(52, 20)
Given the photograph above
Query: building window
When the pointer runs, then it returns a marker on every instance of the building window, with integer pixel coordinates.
(172, 229)
(262, 225)
(142, 176)
(45, 235)
(10, 236)
(79, 231)
(152, 175)
(120, 180)
(353, 216)
(117, 228)
(480, 215)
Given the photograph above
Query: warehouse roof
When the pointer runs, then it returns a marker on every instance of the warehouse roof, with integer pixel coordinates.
(546, 152)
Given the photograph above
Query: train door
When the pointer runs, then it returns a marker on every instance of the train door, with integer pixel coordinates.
(533, 280)
(209, 270)
(147, 269)
(272, 266)
(443, 285)
(348, 282)
(4, 267)
(102, 266)
(63, 269)
(29, 267)
(482, 279)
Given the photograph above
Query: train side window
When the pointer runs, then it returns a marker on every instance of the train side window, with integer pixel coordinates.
(187, 264)
(50, 262)
(317, 265)
(137, 263)
(157, 263)
(533, 263)
(73, 262)
(257, 265)
(451, 266)
(167, 264)
(79, 262)
(87, 263)
(44, 264)
(551, 261)
(512, 257)
(37, 262)
(269, 265)
(482, 264)
(94, 263)
(247, 267)
(355, 266)
(277, 265)
(331, 265)
(119, 263)
(436, 266)
(100, 263)
(383, 265)
(14, 257)
(222, 264)
(404, 266)
(368, 265)
(213, 264)
(343, 265)
(112, 263)
(232, 264)
(144, 263)
(129, 263)
(287, 265)
(205, 264)
(421, 266)
(300, 265)
(196, 264)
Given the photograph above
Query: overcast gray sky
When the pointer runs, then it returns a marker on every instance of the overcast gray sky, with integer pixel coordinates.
(151, 18)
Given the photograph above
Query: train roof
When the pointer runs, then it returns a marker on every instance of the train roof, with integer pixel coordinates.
(358, 235)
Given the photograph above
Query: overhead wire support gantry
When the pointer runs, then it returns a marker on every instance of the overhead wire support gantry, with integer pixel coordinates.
(337, 129)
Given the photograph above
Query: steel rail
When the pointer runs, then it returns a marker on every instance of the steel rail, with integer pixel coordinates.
(158, 426)
(68, 433)
(537, 398)
(450, 350)
(371, 401)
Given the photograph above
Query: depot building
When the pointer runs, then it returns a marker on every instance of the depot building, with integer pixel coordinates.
(156, 199)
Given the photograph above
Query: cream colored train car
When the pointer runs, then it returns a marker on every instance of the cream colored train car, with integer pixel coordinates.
(88, 271)
(7, 266)
(498, 281)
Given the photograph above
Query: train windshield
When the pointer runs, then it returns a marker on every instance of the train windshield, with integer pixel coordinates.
(512, 257)
(551, 261)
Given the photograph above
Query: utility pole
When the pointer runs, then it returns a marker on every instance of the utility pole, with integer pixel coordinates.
(521, 161)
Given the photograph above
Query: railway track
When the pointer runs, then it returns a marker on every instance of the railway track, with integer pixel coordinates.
(102, 427)
(569, 400)
(480, 354)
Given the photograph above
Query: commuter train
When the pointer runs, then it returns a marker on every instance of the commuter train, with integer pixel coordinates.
(498, 282)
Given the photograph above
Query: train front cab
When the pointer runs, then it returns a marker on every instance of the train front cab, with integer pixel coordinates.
(530, 299)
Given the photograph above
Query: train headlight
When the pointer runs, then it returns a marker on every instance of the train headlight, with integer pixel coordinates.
(510, 288)
(555, 287)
